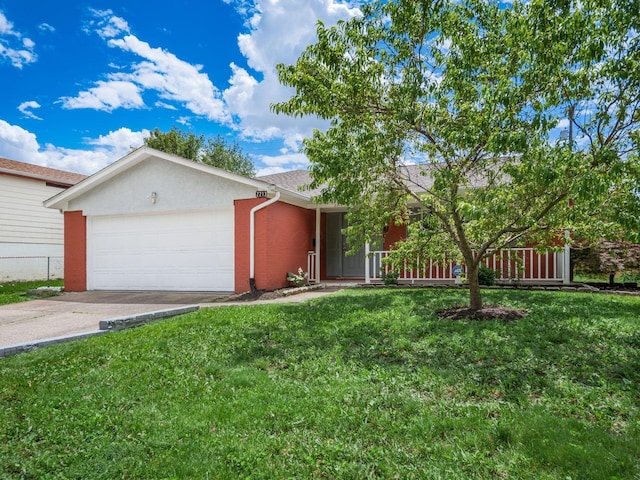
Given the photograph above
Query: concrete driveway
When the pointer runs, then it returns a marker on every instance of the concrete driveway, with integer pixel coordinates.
(75, 313)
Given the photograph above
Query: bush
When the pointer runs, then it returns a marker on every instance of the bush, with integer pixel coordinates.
(486, 276)
(390, 278)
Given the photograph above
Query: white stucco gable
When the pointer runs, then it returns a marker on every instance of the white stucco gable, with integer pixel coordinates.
(128, 186)
(155, 185)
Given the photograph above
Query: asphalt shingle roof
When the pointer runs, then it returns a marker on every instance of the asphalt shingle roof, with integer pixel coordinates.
(293, 180)
(29, 170)
(416, 176)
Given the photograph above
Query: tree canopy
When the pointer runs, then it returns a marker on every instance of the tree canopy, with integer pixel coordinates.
(609, 258)
(475, 94)
(216, 151)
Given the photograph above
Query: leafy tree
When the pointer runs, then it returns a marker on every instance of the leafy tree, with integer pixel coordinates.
(176, 142)
(216, 152)
(472, 91)
(219, 153)
(607, 257)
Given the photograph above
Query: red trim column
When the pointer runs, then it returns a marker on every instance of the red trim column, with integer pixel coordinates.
(75, 252)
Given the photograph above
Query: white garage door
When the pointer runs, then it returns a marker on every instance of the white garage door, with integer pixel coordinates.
(186, 251)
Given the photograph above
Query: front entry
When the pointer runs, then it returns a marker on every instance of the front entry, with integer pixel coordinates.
(339, 264)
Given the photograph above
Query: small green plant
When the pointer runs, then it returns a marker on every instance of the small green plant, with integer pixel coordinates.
(390, 277)
(298, 279)
(486, 276)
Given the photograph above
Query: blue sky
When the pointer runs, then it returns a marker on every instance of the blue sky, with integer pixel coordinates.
(83, 82)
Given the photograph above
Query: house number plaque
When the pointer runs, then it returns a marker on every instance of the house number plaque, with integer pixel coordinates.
(261, 194)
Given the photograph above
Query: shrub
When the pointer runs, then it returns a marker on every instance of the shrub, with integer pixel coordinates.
(486, 276)
(390, 277)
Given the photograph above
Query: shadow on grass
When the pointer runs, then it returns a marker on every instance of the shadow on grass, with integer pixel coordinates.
(589, 340)
(559, 386)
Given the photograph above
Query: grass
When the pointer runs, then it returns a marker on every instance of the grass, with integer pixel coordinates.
(363, 384)
(17, 291)
(604, 278)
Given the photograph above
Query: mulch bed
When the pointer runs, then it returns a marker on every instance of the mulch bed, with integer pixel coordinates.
(618, 287)
(255, 295)
(488, 312)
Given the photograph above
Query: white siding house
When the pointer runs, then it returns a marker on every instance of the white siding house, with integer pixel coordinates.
(31, 236)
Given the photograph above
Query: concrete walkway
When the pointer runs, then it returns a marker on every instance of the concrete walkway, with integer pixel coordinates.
(26, 325)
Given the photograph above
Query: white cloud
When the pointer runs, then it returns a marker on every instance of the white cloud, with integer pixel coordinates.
(107, 96)
(45, 27)
(281, 163)
(265, 45)
(6, 27)
(165, 105)
(25, 109)
(106, 24)
(15, 48)
(174, 80)
(120, 140)
(16, 143)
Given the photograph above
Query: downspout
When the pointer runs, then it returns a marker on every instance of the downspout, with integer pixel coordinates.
(252, 239)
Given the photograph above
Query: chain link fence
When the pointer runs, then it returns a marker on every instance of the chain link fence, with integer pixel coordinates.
(31, 268)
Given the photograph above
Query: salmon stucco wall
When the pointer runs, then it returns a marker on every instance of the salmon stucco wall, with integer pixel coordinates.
(284, 235)
(75, 252)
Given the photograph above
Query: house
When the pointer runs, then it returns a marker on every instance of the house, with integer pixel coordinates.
(31, 236)
(154, 221)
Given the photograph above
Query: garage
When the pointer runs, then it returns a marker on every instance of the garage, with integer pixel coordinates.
(152, 221)
(179, 250)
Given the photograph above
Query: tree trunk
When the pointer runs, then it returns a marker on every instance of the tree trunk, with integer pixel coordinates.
(612, 276)
(475, 298)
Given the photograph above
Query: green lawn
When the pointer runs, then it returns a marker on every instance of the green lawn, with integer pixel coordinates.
(604, 278)
(17, 291)
(362, 384)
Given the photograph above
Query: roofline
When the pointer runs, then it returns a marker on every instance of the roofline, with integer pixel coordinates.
(61, 200)
(46, 178)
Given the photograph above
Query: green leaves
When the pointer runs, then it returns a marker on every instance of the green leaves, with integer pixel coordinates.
(216, 152)
(476, 93)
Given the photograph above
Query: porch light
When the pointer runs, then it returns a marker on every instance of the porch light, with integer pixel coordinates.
(153, 197)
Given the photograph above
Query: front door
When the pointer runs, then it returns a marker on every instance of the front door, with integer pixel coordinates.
(339, 264)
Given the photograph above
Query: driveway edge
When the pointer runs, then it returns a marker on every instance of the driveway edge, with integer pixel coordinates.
(105, 326)
(130, 321)
(28, 346)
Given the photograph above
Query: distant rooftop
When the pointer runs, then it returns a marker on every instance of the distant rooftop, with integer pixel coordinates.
(28, 170)
(293, 180)
(416, 176)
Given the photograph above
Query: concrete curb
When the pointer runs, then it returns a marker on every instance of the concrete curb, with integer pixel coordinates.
(105, 326)
(130, 321)
(28, 346)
